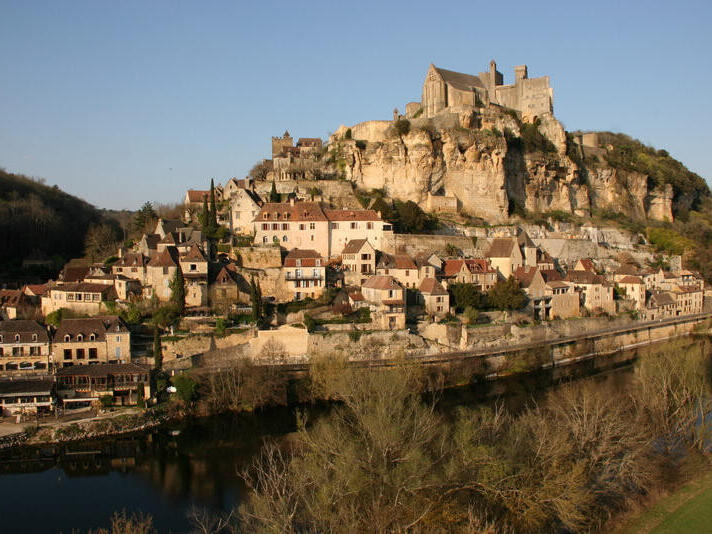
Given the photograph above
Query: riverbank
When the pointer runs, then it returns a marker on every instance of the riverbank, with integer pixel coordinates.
(100, 426)
(687, 509)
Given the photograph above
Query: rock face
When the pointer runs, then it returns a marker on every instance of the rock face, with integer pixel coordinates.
(483, 160)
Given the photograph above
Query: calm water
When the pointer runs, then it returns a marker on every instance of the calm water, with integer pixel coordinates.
(79, 486)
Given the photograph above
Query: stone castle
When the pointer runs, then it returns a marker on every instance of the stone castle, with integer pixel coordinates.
(455, 92)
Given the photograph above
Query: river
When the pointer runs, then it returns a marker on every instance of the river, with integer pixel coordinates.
(167, 470)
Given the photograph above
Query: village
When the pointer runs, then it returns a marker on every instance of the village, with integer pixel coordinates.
(314, 269)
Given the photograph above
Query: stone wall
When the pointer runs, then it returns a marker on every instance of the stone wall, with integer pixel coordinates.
(259, 257)
(419, 243)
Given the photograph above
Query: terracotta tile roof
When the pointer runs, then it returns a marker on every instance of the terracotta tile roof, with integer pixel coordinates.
(285, 211)
(584, 277)
(73, 273)
(164, 259)
(352, 215)
(550, 275)
(36, 289)
(193, 254)
(501, 247)
(353, 246)
(382, 282)
(86, 287)
(309, 142)
(588, 265)
(196, 196)
(662, 299)
(432, 286)
(132, 259)
(104, 369)
(630, 280)
(99, 326)
(476, 266)
(396, 261)
(24, 328)
(627, 269)
(306, 257)
(525, 275)
(12, 297)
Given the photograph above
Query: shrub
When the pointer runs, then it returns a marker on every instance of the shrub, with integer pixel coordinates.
(106, 401)
(402, 127)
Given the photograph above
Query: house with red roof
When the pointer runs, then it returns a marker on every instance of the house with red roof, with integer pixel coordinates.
(304, 273)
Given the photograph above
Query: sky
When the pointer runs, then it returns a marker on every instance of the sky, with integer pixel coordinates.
(126, 102)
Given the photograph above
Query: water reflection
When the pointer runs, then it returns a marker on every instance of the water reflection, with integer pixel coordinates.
(165, 471)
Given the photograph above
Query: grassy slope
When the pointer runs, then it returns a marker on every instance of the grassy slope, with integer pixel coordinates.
(687, 510)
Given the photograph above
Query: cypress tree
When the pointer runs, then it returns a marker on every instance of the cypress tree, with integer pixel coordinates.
(273, 195)
(157, 352)
(213, 216)
(178, 291)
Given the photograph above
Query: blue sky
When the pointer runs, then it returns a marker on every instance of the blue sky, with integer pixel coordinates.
(123, 102)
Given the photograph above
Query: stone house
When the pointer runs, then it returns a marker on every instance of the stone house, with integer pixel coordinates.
(386, 298)
(194, 267)
(24, 346)
(244, 208)
(167, 226)
(401, 267)
(83, 384)
(301, 225)
(127, 289)
(470, 271)
(228, 288)
(595, 291)
(505, 256)
(148, 245)
(434, 297)
(654, 279)
(358, 260)
(661, 305)
(80, 297)
(689, 299)
(306, 225)
(346, 225)
(634, 289)
(549, 296)
(193, 201)
(26, 396)
(132, 265)
(93, 340)
(429, 265)
(304, 273)
(160, 271)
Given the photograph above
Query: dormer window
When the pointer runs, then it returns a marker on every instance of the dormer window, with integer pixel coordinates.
(92, 337)
(17, 337)
(299, 263)
(34, 337)
(1, 339)
(67, 338)
(265, 215)
(80, 337)
(276, 215)
(318, 263)
(287, 215)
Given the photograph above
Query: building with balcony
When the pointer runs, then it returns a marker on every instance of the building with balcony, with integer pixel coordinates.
(24, 348)
(85, 384)
(304, 273)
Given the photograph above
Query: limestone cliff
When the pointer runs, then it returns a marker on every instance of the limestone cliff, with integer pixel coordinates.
(498, 163)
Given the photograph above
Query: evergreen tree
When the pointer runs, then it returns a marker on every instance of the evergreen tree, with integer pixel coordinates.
(144, 216)
(213, 214)
(204, 216)
(157, 352)
(177, 286)
(507, 295)
(256, 300)
(273, 195)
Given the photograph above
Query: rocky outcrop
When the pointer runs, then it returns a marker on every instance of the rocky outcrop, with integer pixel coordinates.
(482, 159)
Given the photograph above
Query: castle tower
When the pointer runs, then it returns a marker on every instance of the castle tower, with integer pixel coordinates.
(520, 73)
